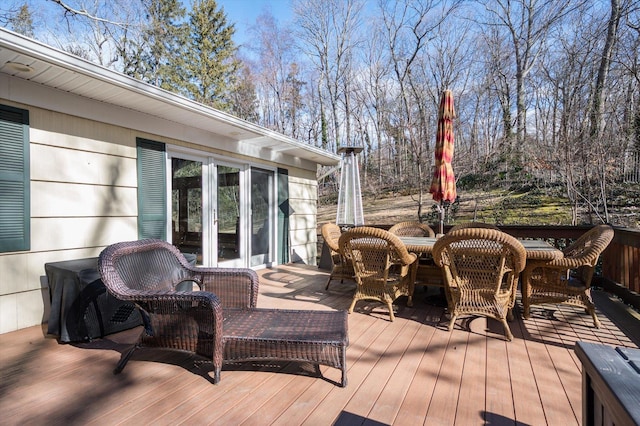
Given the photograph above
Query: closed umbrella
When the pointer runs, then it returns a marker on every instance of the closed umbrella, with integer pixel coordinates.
(443, 183)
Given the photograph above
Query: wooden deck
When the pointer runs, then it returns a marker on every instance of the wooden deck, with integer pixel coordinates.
(409, 372)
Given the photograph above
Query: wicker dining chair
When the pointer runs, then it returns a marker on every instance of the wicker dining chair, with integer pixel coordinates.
(412, 229)
(341, 267)
(567, 280)
(427, 273)
(384, 269)
(150, 273)
(481, 269)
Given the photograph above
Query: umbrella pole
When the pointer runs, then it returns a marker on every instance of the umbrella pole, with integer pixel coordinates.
(441, 210)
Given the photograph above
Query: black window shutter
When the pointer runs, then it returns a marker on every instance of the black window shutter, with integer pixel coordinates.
(15, 206)
(152, 192)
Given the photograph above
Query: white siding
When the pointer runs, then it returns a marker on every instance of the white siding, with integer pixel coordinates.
(52, 163)
(84, 197)
(303, 190)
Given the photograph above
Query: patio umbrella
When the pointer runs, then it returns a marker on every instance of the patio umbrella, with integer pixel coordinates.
(443, 183)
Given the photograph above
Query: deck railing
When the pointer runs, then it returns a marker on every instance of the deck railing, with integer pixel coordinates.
(619, 269)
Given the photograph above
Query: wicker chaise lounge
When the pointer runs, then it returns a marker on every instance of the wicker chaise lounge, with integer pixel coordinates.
(219, 321)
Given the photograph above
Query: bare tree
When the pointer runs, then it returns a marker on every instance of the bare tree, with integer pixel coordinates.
(526, 24)
(275, 56)
(328, 30)
(409, 26)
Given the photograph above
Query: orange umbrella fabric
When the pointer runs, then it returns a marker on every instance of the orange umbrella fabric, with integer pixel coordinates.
(443, 183)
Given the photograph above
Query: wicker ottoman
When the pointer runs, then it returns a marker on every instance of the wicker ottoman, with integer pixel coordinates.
(319, 337)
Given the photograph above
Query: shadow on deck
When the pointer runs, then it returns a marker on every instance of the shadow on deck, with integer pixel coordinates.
(410, 371)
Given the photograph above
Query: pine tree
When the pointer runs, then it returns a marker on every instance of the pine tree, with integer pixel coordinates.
(158, 56)
(210, 61)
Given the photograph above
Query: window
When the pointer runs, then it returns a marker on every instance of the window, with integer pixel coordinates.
(15, 207)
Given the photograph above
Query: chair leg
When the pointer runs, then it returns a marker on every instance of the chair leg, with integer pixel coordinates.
(328, 282)
(124, 359)
(596, 321)
(526, 293)
(353, 305)
(331, 279)
(344, 367)
(452, 321)
(507, 330)
(390, 306)
(590, 308)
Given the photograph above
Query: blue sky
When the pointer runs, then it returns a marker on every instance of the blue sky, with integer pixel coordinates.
(244, 13)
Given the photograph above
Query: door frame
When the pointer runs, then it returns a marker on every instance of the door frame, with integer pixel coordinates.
(272, 213)
(191, 155)
(210, 163)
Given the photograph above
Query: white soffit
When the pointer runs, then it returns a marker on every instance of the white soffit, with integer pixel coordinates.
(33, 61)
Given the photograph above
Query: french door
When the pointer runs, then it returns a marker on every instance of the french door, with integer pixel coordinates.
(229, 211)
(221, 213)
(262, 216)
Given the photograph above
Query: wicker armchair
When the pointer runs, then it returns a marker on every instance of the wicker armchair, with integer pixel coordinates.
(147, 273)
(342, 268)
(567, 280)
(412, 229)
(481, 269)
(219, 321)
(384, 269)
(465, 225)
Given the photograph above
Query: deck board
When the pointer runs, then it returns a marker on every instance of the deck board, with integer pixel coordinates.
(411, 371)
(500, 390)
(472, 394)
(526, 399)
(395, 391)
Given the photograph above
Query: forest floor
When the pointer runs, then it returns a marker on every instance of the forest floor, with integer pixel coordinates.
(495, 206)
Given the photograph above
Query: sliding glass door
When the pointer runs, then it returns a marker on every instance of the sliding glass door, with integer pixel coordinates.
(222, 213)
(229, 216)
(187, 206)
(262, 216)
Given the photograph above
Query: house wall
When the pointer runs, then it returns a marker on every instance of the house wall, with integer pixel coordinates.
(302, 189)
(84, 197)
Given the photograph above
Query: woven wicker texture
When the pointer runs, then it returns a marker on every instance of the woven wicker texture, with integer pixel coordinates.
(412, 229)
(221, 321)
(319, 337)
(384, 269)
(427, 272)
(481, 269)
(567, 280)
(147, 273)
(342, 268)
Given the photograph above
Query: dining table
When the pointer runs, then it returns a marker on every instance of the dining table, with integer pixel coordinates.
(536, 249)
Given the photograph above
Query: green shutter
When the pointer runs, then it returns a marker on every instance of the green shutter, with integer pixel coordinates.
(15, 207)
(283, 216)
(152, 192)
